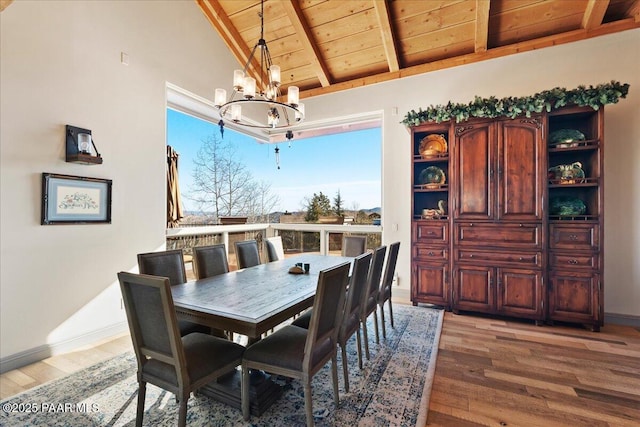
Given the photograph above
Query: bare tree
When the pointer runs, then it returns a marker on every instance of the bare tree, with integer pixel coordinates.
(223, 185)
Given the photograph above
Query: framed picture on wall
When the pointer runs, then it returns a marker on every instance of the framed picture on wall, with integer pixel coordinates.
(68, 199)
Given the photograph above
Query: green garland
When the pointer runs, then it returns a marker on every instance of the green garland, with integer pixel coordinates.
(608, 93)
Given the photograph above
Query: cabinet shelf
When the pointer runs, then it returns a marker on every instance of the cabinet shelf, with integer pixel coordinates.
(568, 218)
(590, 144)
(422, 189)
(444, 157)
(586, 182)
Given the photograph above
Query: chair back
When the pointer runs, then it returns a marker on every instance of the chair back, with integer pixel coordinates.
(275, 251)
(152, 321)
(389, 270)
(247, 253)
(353, 245)
(209, 261)
(357, 286)
(328, 308)
(370, 296)
(165, 264)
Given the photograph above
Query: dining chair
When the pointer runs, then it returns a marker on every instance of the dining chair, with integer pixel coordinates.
(180, 365)
(247, 253)
(209, 261)
(170, 264)
(300, 353)
(387, 283)
(370, 296)
(352, 307)
(353, 245)
(275, 251)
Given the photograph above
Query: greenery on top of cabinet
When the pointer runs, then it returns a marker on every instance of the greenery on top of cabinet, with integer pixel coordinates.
(548, 100)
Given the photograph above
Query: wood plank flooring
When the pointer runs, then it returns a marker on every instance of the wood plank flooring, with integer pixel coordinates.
(489, 372)
(492, 372)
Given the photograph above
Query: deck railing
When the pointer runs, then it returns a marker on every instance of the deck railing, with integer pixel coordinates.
(325, 239)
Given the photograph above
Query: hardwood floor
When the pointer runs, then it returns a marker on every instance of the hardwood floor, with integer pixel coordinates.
(489, 372)
(493, 372)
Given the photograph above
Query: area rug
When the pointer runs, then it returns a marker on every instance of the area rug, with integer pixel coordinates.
(392, 389)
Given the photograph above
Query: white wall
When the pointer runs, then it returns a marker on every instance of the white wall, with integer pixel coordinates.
(60, 64)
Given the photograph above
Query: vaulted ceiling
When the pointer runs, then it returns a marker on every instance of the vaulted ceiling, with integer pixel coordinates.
(324, 46)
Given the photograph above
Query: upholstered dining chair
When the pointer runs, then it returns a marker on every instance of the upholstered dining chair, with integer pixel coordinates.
(352, 307)
(179, 365)
(387, 283)
(275, 251)
(209, 261)
(370, 296)
(300, 353)
(247, 253)
(353, 245)
(170, 264)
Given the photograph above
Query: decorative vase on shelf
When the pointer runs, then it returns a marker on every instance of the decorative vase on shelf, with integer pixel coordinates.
(567, 174)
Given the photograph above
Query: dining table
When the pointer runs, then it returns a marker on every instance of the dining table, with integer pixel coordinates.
(251, 302)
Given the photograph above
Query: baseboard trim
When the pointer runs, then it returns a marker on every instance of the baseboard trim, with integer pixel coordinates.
(39, 353)
(622, 319)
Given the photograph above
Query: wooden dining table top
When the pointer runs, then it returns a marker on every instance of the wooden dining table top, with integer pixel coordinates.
(253, 300)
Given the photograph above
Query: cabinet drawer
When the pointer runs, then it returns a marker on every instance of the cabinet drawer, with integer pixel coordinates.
(563, 261)
(429, 253)
(523, 259)
(512, 236)
(574, 236)
(431, 231)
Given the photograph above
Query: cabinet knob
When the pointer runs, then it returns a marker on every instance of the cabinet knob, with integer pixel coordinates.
(573, 237)
(471, 256)
(573, 261)
(520, 259)
(431, 254)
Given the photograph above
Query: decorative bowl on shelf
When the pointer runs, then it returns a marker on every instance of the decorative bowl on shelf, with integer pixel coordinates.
(432, 177)
(565, 138)
(567, 174)
(432, 145)
(566, 206)
(435, 213)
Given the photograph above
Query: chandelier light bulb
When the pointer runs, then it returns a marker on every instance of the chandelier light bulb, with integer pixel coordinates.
(238, 80)
(249, 87)
(274, 72)
(236, 112)
(220, 97)
(293, 95)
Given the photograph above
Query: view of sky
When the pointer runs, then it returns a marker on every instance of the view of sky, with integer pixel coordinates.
(349, 162)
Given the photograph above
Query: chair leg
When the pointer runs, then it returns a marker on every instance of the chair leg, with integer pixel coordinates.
(308, 404)
(391, 313)
(384, 330)
(359, 342)
(365, 337)
(334, 373)
(345, 370)
(142, 391)
(182, 411)
(245, 393)
(375, 323)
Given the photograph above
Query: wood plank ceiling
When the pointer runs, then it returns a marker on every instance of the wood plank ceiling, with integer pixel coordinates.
(324, 46)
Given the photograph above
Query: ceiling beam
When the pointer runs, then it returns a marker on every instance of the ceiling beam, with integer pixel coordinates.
(229, 34)
(388, 41)
(549, 41)
(294, 12)
(594, 14)
(634, 10)
(482, 25)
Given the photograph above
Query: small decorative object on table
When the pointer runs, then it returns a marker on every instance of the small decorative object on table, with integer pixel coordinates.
(567, 174)
(432, 146)
(565, 138)
(432, 177)
(567, 206)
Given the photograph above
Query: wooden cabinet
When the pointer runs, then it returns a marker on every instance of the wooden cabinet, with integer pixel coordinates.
(507, 245)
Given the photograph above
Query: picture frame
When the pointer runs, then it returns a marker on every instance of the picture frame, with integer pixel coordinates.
(68, 199)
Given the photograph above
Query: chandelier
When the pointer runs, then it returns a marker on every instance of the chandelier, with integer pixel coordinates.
(256, 102)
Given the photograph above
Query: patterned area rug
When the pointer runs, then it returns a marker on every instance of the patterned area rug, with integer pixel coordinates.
(392, 390)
